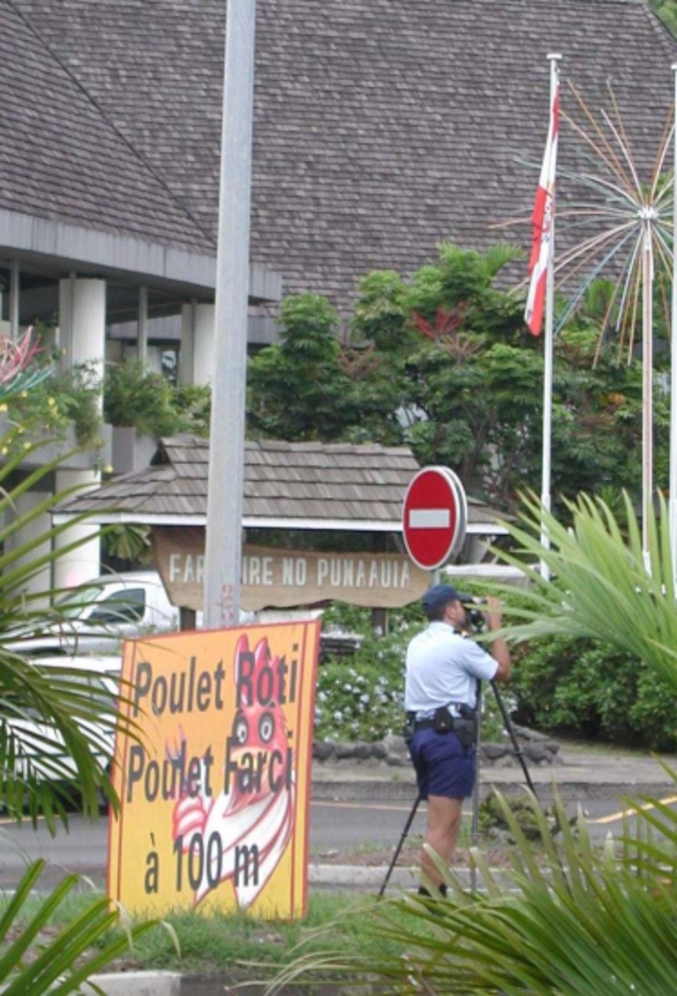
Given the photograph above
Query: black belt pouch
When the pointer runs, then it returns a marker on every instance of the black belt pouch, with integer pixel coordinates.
(443, 721)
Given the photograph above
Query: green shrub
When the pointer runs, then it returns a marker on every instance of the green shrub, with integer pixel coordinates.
(586, 688)
(193, 405)
(60, 399)
(135, 396)
(357, 703)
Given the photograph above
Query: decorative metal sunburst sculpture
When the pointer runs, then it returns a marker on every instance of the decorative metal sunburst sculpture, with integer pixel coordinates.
(630, 225)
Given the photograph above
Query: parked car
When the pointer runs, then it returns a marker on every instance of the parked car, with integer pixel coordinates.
(99, 675)
(96, 617)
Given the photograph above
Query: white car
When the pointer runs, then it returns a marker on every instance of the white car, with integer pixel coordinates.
(100, 678)
(97, 616)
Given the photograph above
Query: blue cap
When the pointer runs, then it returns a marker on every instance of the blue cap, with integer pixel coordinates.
(440, 595)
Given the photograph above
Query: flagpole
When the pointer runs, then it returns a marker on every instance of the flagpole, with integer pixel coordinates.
(672, 499)
(548, 346)
(647, 386)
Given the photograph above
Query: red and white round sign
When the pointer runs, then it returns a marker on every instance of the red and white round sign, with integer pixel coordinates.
(434, 517)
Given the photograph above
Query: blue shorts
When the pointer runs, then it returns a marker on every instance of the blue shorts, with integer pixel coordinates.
(442, 766)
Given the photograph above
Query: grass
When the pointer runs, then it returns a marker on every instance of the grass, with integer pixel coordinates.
(246, 948)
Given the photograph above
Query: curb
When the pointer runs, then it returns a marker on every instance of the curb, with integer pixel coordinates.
(569, 789)
(371, 877)
(134, 984)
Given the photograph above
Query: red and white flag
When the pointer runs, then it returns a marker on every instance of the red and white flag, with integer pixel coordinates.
(542, 218)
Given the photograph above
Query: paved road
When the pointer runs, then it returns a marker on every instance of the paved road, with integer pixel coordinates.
(335, 826)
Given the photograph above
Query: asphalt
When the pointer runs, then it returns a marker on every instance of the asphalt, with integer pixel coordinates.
(579, 774)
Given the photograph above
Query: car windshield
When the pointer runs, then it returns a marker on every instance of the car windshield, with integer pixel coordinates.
(73, 602)
(121, 607)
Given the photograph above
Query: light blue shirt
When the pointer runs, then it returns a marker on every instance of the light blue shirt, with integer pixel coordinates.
(442, 667)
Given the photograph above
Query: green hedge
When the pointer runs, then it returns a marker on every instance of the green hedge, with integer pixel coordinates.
(589, 690)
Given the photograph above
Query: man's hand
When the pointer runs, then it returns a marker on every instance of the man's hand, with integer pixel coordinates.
(493, 613)
(499, 648)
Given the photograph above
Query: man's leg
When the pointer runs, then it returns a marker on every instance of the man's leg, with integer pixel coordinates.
(444, 822)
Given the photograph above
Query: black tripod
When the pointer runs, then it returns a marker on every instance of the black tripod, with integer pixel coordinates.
(519, 754)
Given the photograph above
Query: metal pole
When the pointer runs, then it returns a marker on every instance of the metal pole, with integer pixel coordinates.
(647, 382)
(672, 500)
(519, 754)
(475, 830)
(223, 545)
(400, 844)
(142, 333)
(548, 345)
(14, 297)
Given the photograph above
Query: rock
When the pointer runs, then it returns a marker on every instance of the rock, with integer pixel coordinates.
(492, 752)
(344, 750)
(322, 750)
(526, 734)
(394, 744)
(537, 752)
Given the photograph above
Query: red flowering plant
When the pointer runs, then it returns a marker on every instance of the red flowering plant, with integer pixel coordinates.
(39, 402)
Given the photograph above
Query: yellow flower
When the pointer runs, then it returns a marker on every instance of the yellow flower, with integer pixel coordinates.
(24, 394)
(3, 450)
(3, 407)
(27, 446)
(51, 402)
(108, 469)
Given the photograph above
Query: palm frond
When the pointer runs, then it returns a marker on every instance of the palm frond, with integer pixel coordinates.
(61, 964)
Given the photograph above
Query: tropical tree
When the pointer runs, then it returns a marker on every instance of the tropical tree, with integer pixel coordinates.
(600, 585)
(575, 920)
(31, 696)
(443, 363)
(296, 388)
(40, 709)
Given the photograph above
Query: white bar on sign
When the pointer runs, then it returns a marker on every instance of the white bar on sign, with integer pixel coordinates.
(429, 518)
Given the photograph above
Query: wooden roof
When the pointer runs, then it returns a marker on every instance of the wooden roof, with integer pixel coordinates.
(286, 485)
(382, 127)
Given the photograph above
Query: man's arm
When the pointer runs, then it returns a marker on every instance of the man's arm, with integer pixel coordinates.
(499, 648)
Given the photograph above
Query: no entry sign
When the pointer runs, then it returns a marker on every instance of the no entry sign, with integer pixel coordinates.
(434, 517)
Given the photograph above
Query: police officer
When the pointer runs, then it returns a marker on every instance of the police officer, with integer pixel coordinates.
(443, 667)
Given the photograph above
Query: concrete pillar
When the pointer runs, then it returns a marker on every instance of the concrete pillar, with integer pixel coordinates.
(14, 296)
(84, 562)
(142, 338)
(82, 320)
(196, 362)
(24, 505)
(186, 360)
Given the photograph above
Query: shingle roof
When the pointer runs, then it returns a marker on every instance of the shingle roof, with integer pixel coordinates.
(62, 159)
(291, 483)
(381, 126)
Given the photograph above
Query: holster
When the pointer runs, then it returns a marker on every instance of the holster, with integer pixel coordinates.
(466, 730)
(464, 726)
(409, 727)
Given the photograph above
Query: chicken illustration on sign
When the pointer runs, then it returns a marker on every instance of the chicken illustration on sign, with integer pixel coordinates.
(252, 818)
(215, 788)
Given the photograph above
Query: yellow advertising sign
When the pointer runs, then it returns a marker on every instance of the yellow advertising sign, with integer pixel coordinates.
(215, 793)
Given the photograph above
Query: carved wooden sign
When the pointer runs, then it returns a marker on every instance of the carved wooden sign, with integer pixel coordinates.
(274, 578)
